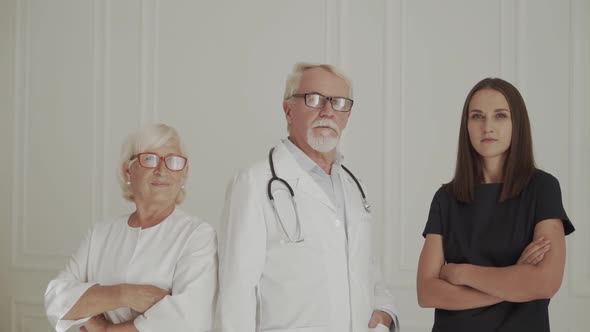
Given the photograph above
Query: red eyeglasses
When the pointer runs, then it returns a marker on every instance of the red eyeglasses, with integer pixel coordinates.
(174, 163)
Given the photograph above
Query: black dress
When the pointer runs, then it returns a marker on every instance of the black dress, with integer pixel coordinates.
(489, 233)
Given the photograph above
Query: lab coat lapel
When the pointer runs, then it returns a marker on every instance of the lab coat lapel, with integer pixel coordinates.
(287, 168)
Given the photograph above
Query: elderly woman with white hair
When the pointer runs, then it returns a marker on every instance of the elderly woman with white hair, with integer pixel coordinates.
(152, 270)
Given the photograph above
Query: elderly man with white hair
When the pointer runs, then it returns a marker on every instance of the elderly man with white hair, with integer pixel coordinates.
(296, 239)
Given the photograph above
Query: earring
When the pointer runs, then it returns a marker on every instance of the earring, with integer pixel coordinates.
(128, 182)
(182, 187)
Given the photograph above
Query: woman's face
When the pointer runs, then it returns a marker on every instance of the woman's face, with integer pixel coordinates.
(489, 123)
(157, 185)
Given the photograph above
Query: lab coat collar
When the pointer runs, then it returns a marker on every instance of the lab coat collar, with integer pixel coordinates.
(306, 162)
(286, 167)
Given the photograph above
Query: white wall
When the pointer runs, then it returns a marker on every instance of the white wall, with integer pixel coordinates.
(76, 76)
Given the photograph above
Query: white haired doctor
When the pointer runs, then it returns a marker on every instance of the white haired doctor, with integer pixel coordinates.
(154, 269)
(296, 239)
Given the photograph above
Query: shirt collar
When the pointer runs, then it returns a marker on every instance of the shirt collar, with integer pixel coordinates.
(306, 162)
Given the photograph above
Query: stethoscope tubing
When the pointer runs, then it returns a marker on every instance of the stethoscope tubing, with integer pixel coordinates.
(275, 177)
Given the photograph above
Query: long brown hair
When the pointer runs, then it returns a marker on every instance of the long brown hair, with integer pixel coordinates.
(519, 165)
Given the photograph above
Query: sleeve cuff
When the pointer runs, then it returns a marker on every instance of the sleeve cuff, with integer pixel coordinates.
(395, 325)
(141, 324)
(64, 325)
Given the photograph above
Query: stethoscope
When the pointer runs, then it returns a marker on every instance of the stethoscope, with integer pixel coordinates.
(274, 177)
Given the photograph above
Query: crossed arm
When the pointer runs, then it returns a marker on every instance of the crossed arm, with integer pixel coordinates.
(99, 299)
(187, 306)
(537, 274)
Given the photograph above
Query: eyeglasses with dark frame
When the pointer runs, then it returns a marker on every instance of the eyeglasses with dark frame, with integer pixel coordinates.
(316, 100)
(174, 163)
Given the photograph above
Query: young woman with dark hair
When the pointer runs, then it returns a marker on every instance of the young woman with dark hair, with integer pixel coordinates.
(494, 252)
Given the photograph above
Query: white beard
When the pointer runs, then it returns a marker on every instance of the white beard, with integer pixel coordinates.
(327, 140)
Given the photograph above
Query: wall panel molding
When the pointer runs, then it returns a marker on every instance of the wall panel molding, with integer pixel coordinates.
(24, 311)
(520, 53)
(22, 256)
(335, 45)
(508, 40)
(579, 144)
(394, 243)
(21, 75)
(405, 269)
(149, 57)
(100, 72)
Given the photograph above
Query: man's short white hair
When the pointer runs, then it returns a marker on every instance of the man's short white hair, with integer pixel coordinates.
(151, 136)
(294, 79)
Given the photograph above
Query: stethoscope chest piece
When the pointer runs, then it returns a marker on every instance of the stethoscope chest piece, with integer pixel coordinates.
(367, 205)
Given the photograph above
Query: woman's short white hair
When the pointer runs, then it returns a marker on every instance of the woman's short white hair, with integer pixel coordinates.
(151, 136)
(294, 79)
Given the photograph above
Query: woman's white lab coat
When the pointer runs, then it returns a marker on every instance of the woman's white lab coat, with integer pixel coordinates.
(178, 255)
(329, 282)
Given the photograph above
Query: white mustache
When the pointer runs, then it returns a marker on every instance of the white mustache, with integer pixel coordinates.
(326, 123)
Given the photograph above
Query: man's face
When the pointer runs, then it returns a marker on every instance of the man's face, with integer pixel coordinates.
(313, 128)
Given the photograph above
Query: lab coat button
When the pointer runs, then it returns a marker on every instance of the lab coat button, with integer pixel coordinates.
(337, 222)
